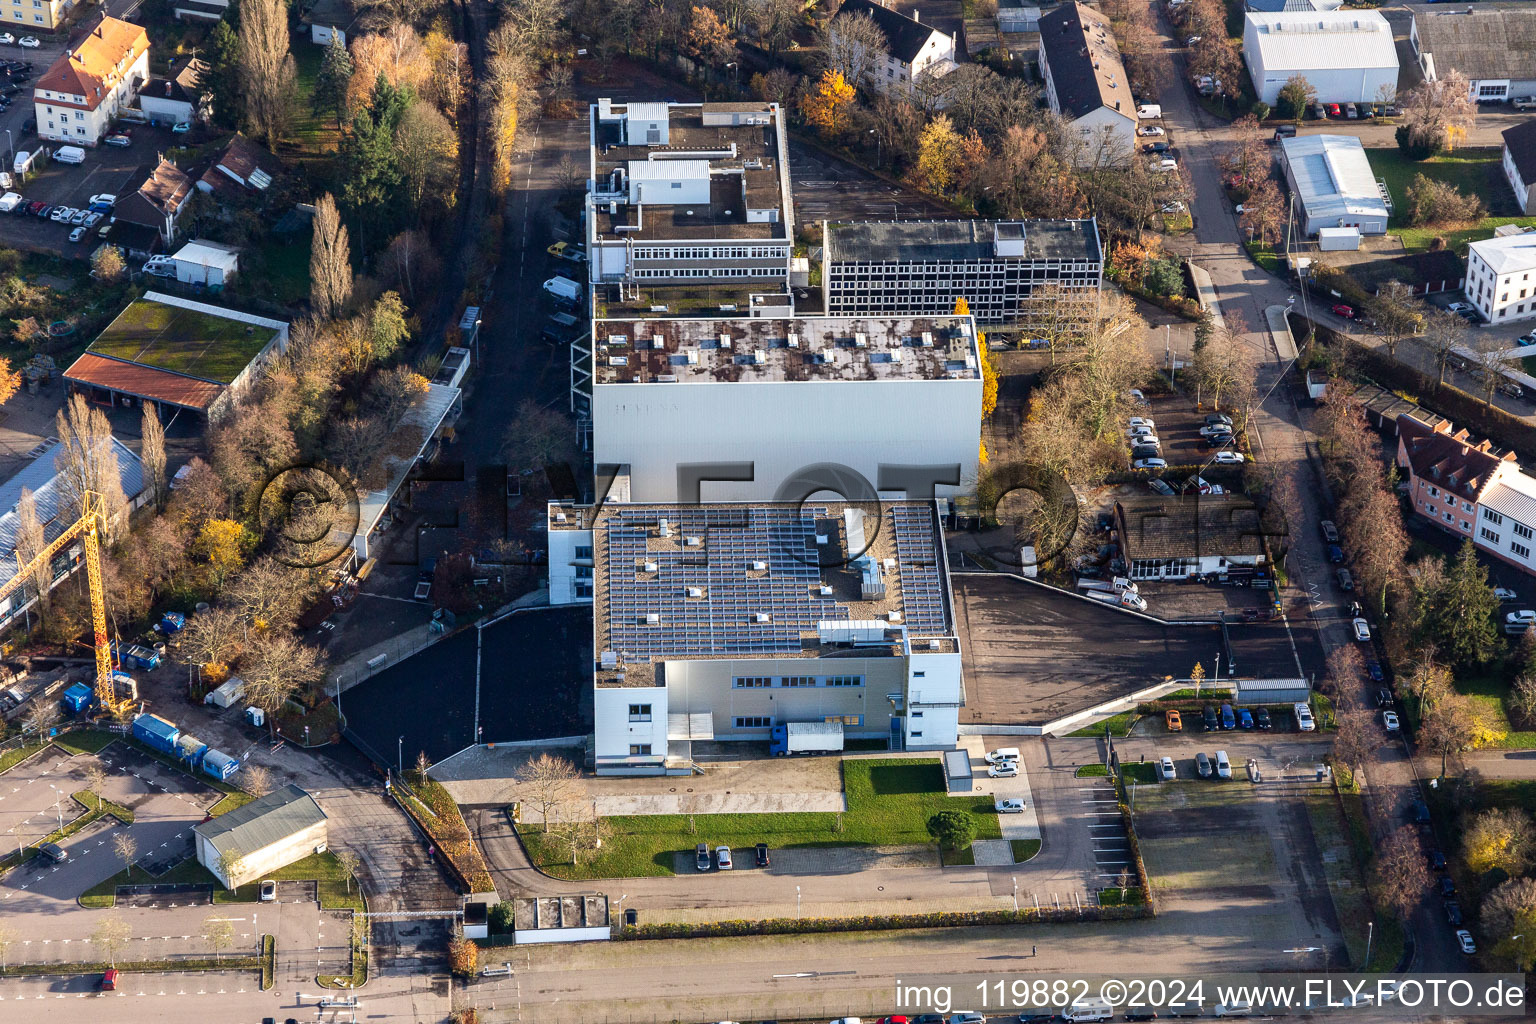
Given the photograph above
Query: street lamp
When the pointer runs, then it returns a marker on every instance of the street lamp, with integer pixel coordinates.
(400, 756)
(876, 133)
(797, 901)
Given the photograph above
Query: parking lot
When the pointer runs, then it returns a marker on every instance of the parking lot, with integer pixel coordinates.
(1178, 428)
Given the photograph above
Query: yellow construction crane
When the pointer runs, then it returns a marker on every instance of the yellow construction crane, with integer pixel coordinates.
(91, 525)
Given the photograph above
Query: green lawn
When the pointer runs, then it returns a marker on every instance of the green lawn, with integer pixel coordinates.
(1024, 849)
(889, 804)
(315, 137)
(181, 340)
(1091, 771)
(188, 872)
(86, 741)
(11, 758)
(1474, 171)
(1339, 846)
(328, 874)
(1118, 725)
(281, 270)
(1489, 691)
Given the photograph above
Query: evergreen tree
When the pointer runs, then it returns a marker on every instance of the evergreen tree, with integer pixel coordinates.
(222, 80)
(331, 83)
(1458, 615)
(371, 191)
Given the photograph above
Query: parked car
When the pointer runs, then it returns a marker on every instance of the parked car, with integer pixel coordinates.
(1334, 111)
(1464, 938)
(1137, 397)
(1362, 630)
(117, 139)
(53, 853)
(1436, 860)
(1384, 698)
(77, 234)
(1511, 389)
(1168, 163)
(1351, 111)
(1165, 769)
(1304, 720)
(1149, 464)
(701, 857)
(1155, 147)
(1389, 721)
(1202, 766)
(1223, 765)
(108, 982)
(1172, 720)
(1228, 718)
(1346, 580)
(1219, 417)
(181, 127)
(1261, 718)
(1006, 770)
(1374, 671)
(1208, 718)
(1244, 718)
(1452, 913)
(29, 126)
(1526, 340)
(1010, 805)
(1460, 307)
(723, 858)
(1142, 421)
(77, 217)
(1347, 312)
(1285, 131)
(268, 891)
(1150, 131)
(1216, 428)
(1160, 487)
(1447, 886)
(1505, 594)
(1335, 553)
(1228, 458)
(1516, 623)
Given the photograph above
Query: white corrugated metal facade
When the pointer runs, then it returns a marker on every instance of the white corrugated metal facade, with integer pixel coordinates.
(1334, 184)
(1347, 56)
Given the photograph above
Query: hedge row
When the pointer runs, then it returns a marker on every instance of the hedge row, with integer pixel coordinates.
(878, 922)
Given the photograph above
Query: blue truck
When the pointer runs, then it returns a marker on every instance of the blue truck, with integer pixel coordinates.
(793, 738)
(219, 764)
(79, 697)
(156, 732)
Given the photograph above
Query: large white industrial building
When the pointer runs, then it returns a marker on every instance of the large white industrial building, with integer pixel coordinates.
(1501, 277)
(672, 399)
(1334, 186)
(268, 833)
(717, 622)
(1347, 56)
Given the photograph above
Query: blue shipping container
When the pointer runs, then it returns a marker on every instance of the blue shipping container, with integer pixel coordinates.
(172, 623)
(78, 697)
(219, 764)
(157, 732)
(190, 749)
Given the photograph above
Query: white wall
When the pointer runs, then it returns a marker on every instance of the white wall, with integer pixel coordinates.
(1345, 85)
(1108, 137)
(1522, 188)
(61, 123)
(163, 108)
(258, 864)
(933, 678)
(614, 733)
(563, 565)
(783, 427)
(1500, 298)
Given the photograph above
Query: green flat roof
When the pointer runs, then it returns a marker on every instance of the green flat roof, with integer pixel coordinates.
(185, 341)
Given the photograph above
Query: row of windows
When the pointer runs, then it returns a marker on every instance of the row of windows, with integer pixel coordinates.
(639, 712)
(764, 682)
(639, 750)
(712, 252)
(1493, 517)
(1520, 549)
(64, 115)
(714, 272)
(754, 721)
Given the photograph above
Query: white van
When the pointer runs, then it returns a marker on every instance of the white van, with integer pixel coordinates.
(1004, 755)
(1090, 1008)
(69, 155)
(1149, 112)
(9, 202)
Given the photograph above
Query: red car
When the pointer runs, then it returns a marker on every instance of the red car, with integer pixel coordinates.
(1334, 111)
(892, 1020)
(1346, 312)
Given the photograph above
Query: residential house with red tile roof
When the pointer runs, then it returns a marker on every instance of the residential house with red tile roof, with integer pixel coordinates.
(99, 74)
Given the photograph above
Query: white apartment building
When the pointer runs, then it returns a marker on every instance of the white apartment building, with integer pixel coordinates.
(919, 268)
(687, 194)
(1086, 83)
(912, 48)
(716, 622)
(684, 410)
(1501, 277)
(1347, 56)
(1520, 163)
(78, 97)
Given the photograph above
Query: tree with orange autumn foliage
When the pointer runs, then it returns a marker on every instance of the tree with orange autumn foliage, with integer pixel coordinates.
(829, 103)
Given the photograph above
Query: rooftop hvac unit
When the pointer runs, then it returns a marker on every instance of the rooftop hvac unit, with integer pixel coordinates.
(650, 566)
(794, 340)
(965, 328)
(889, 563)
(618, 340)
(759, 566)
(759, 357)
(652, 619)
(894, 616)
(559, 517)
(895, 355)
(762, 617)
(608, 659)
(664, 528)
(927, 339)
(725, 341)
(618, 360)
(933, 645)
(692, 542)
(695, 591)
(693, 357)
(657, 341)
(823, 538)
(826, 590)
(860, 341)
(666, 378)
(659, 309)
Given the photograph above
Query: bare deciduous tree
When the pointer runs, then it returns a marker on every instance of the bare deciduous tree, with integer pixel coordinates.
(349, 862)
(214, 637)
(126, 848)
(549, 780)
(267, 593)
(110, 936)
(7, 939)
(267, 73)
(87, 461)
(1444, 333)
(281, 665)
(30, 542)
(854, 45)
(152, 455)
(1439, 112)
(220, 933)
(1400, 874)
(256, 780)
(95, 778)
(330, 261)
(231, 866)
(42, 717)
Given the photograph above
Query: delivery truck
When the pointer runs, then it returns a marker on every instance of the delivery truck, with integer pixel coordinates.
(805, 738)
(563, 289)
(69, 155)
(227, 694)
(1124, 600)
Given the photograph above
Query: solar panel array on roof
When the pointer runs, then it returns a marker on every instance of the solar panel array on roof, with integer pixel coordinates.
(708, 598)
(922, 592)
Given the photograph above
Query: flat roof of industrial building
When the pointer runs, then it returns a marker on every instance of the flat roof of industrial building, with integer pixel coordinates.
(194, 339)
(1322, 40)
(912, 241)
(755, 349)
(1333, 176)
(769, 580)
(743, 160)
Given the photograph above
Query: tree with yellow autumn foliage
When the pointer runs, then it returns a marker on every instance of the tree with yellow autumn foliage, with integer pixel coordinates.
(222, 544)
(938, 152)
(829, 103)
(1503, 838)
